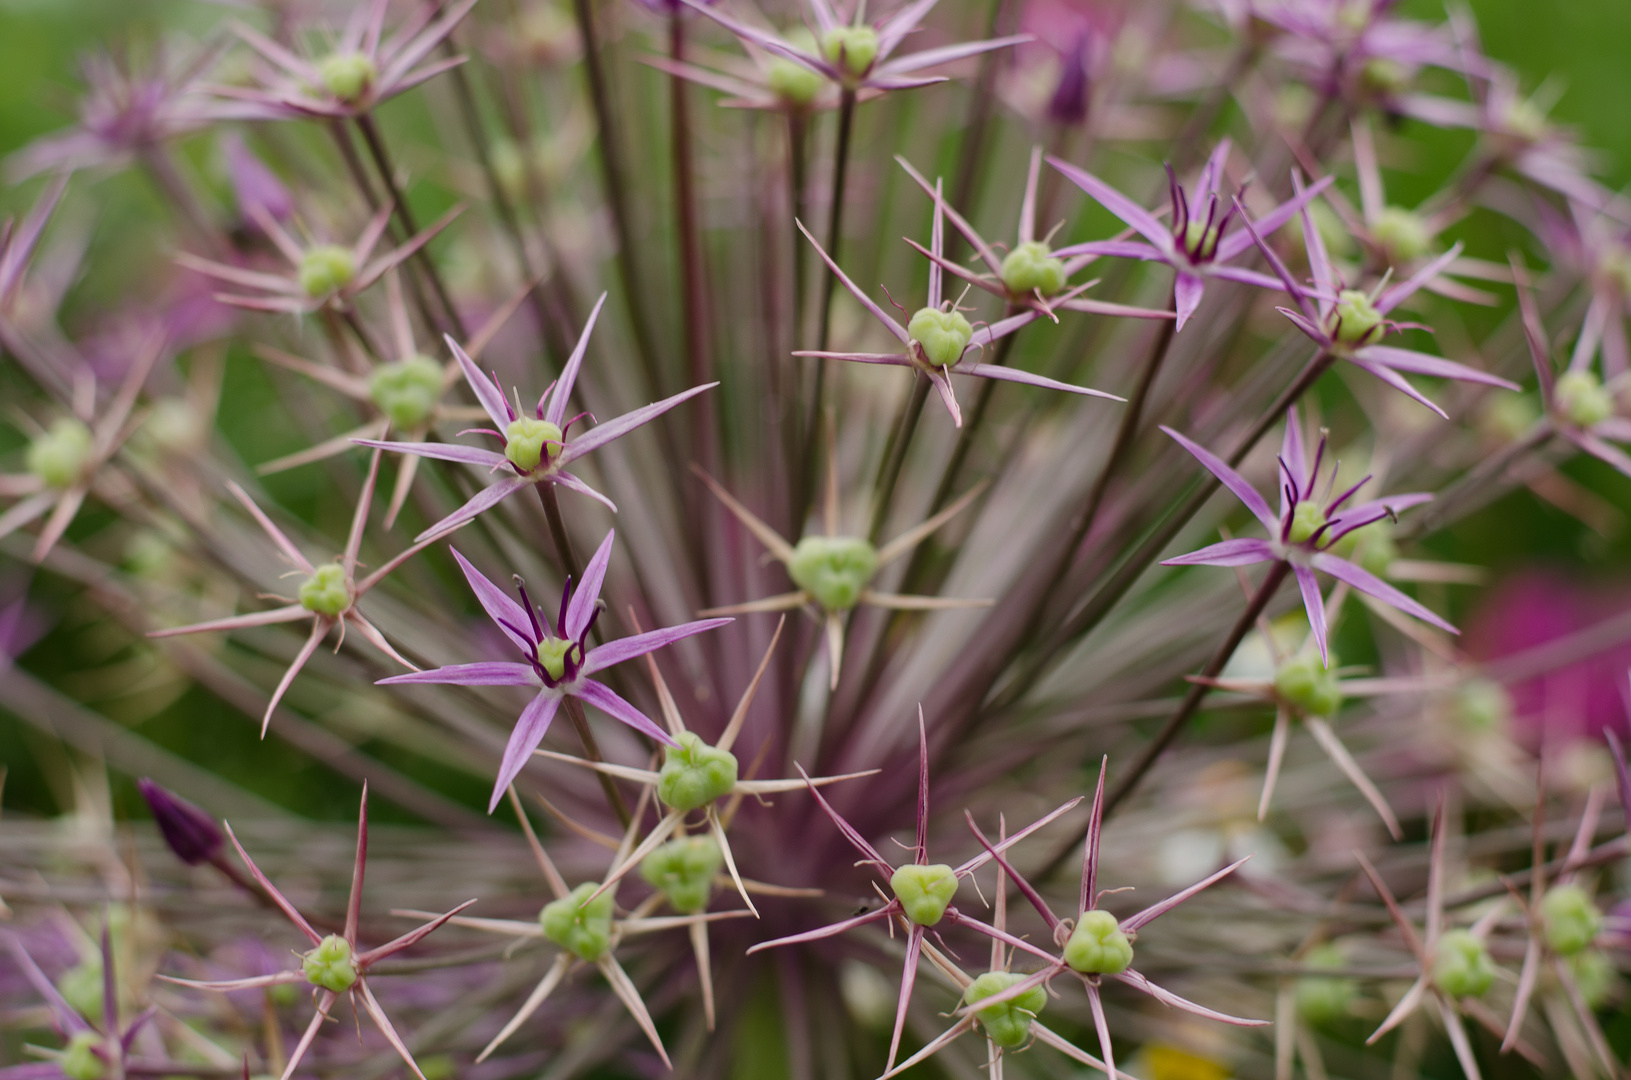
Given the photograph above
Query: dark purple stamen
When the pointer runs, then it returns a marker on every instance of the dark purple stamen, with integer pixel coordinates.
(1180, 205)
(526, 602)
(1346, 495)
(568, 425)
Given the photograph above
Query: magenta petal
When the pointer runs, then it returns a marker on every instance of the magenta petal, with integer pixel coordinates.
(607, 701)
(602, 434)
(832, 929)
(1120, 249)
(488, 394)
(586, 592)
(1186, 296)
(572, 483)
(1230, 246)
(485, 673)
(1168, 998)
(604, 656)
(944, 54)
(1247, 277)
(1231, 480)
(529, 732)
(485, 499)
(1014, 375)
(556, 412)
(1141, 220)
(1293, 455)
(1371, 585)
(1602, 451)
(1160, 908)
(1314, 604)
(66, 1016)
(1391, 505)
(1398, 294)
(1397, 381)
(1437, 367)
(1240, 552)
(510, 616)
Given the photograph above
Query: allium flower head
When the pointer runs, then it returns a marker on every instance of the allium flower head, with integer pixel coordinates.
(1313, 516)
(536, 449)
(1198, 244)
(559, 659)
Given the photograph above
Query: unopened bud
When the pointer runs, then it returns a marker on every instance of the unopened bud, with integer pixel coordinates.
(82, 1058)
(190, 832)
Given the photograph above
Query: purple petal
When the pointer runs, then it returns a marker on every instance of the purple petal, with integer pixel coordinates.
(1390, 506)
(489, 395)
(985, 335)
(832, 929)
(604, 433)
(1397, 381)
(609, 703)
(67, 1017)
(1212, 174)
(1314, 604)
(1186, 296)
(1007, 374)
(1371, 585)
(569, 375)
(945, 54)
(1156, 910)
(1398, 294)
(1240, 552)
(572, 483)
(1168, 998)
(1293, 454)
(510, 616)
(529, 732)
(587, 590)
(866, 301)
(468, 455)
(1602, 451)
(1141, 220)
(604, 656)
(1246, 277)
(1231, 480)
(484, 673)
(1437, 367)
(1231, 246)
(485, 499)
(1119, 249)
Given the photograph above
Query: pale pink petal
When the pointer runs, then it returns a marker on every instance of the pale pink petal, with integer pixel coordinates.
(1231, 480)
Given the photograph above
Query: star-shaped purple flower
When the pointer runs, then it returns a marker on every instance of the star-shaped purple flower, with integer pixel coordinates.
(559, 660)
(1309, 524)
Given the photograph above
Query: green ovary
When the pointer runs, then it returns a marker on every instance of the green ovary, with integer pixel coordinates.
(1482, 705)
(1462, 966)
(1355, 320)
(81, 987)
(834, 570)
(1403, 234)
(694, 774)
(1098, 946)
(851, 49)
(61, 455)
(1309, 685)
(325, 268)
(552, 655)
(1582, 399)
(1322, 999)
(581, 926)
(528, 441)
(326, 592)
(1007, 1023)
(1200, 241)
(1570, 919)
(940, 335)
(684, 871)
(80, 1061)
(331, 965)
(1306, 520)
(347, 75)
(1030, 267)
(407, 391)
(924, 891)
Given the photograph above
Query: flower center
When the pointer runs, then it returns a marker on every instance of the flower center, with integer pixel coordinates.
(1307, 519)
(527, 442)
(1030, 267)
(694, 774)
(924, 891)
(406, 391)
(347, 75)
(1200, 241)
(1384, 76)
(834, 570)
(1309, 685)
(1482, 705)
(1525, 121)
(793, 83)
(1570, 919)
(552, 656)
(1582, 399)
(1097, 945)
(1007, 1023)
(61, 456)
(941, 336)
(1403, 234)
(851, 49)
(1355, 320)
(326, 592)
(331, 965)
(1462, 966)
(82, 1059)
(684, 870)
(325, 268)
(581, 926)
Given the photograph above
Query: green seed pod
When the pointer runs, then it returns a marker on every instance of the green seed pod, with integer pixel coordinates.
(406, 391)
(326, 592)
(834, 570)
(331, 965)
(81, 1059)
(61, 455)
(325, 268)
(529, 441)
(552, 654)
(581, 926)
(1462, 966)
(1309, 685)
(348, 75)
(1306, 519)
(694, 774)
(1581, 398)
(1097, 946)
(1029, 267)
(851, 49)
(1355, 320)
(940, 335)
(684, 870)
(81, 987)
(1403, 234)
(1007, 1023)
(924, 891)
(1595, 975)
(1482, 705)
(1322, 999)
(1372, 547)
(1570, 919)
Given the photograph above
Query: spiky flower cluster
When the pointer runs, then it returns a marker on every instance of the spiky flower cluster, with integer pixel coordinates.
(819, 614)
